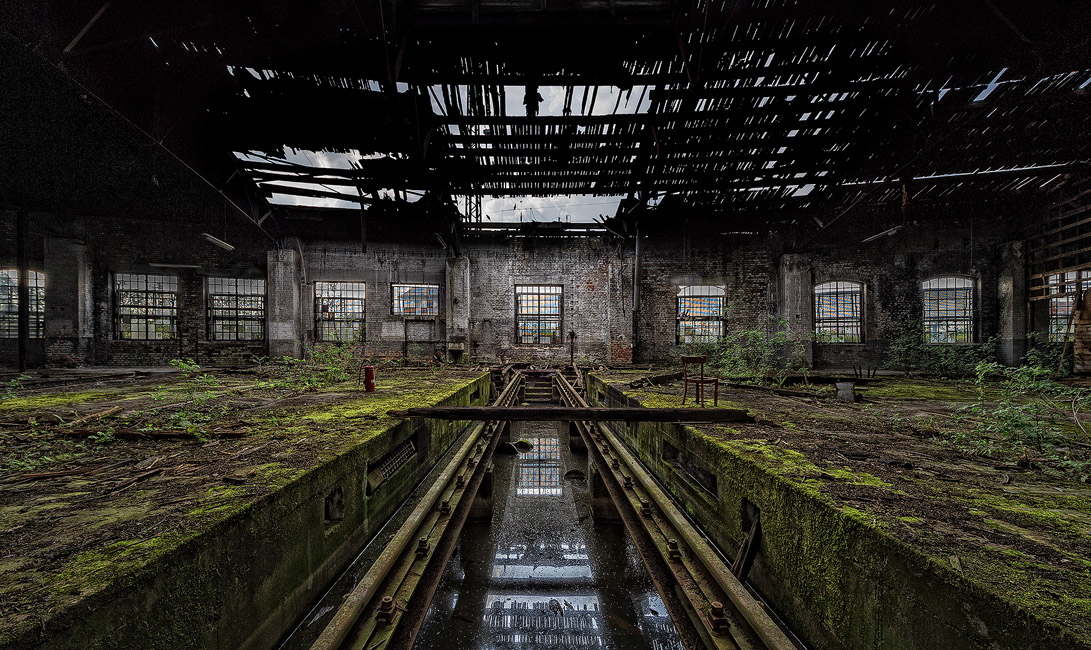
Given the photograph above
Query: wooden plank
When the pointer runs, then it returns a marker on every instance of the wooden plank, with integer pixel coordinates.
(568, 414)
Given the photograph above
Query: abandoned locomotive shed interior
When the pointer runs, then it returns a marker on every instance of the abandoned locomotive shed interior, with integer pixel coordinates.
(545, 324)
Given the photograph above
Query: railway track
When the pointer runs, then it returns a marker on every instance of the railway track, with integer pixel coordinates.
(709, 605)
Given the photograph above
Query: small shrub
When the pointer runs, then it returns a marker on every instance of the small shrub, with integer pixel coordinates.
(13, 386)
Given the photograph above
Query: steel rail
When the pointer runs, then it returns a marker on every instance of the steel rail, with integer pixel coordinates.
(398, 557)
(692, 563)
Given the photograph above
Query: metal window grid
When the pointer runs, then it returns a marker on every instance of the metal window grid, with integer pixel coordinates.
(948, 310)
(145, 306)
(339, 311)
(838, 313)
(414, 299)
(236, 309)
(538, 314)
(700, 314)
(9, 303)
(540, 469)
(1069, 284)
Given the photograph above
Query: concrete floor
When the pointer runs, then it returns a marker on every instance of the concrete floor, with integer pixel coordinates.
(541, 574)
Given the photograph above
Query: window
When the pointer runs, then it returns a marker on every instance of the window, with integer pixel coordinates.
(145, 306)
(1070, 285)
(838, 312)
(9, 303)
(948, 310)
(700, 314)
(414, 299)
(236, 309)
(538, 314)
(339, 311)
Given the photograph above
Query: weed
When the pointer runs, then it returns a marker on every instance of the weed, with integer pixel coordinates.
(12, 387)
(759, 354)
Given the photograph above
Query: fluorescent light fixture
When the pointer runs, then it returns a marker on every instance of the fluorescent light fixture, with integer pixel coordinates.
(885, 233)
(158, 265)
(219, 242)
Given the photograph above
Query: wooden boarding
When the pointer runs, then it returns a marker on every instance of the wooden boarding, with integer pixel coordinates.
(564, 413)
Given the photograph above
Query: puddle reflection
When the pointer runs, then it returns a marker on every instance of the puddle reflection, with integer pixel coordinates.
(540, 574)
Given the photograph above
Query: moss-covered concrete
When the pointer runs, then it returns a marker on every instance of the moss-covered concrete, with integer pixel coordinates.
(846, 570)
(237, 564)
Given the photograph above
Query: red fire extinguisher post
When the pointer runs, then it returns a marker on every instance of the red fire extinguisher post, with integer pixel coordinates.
(369, 378)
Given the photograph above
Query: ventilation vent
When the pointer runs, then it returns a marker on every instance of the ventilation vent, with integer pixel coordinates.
(390, 464)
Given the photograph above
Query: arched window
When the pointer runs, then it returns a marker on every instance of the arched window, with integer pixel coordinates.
(700, 313)
(9, 303)
(839, 312)
(948, 310)
(1065, 288)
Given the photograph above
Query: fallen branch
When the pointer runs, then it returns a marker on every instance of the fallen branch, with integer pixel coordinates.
(95, 416)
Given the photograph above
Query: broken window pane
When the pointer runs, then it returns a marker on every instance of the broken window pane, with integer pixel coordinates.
(339, 311)
(415, 299)
(538, 314)
(236, 309)
(145, 306)
(838, 312)
(9, 303)
(700, 313)
(1070, 285)
(948, 310)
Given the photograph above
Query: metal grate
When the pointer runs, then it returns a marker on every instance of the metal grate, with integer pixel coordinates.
(538, 314)
(838, 313)
(390, 463)
(236, 309)
(9, 303)
(339, 311)
(414, 299)
(700, 314)
(948, 310)
(145, 306)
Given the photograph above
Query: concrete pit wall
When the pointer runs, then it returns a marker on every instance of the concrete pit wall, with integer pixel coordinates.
(840, 583)
(243, 582)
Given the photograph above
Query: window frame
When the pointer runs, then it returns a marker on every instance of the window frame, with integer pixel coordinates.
(539, 316)
(147, 304)
(394, 302)
(679, 319)
(362, 312)
(212, 319)
(971, 284)
(9, 326)
(839, 322)
(1064, 288)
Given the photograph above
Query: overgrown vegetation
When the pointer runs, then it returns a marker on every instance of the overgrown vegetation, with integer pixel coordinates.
(910, 353)
(1022, 409)
(12, 387)
(196, 403)
(759, 354)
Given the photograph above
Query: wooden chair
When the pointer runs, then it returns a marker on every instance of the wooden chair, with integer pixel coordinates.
(699, 382)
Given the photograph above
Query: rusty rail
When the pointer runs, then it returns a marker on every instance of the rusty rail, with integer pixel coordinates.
(372, 612)
(724, 612)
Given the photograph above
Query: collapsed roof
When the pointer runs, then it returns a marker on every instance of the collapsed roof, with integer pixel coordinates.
(727, 106)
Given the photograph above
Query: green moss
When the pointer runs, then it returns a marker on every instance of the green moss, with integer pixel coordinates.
(904, 388)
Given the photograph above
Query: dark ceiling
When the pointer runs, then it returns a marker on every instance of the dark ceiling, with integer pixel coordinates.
(744, 106)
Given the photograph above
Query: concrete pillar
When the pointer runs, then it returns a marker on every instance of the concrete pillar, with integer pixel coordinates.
(1011, 293)
(458, 307)
(603, 509)
(797, 298)
(575, 440)
(69, 329)
(481, 508)
(284, 311)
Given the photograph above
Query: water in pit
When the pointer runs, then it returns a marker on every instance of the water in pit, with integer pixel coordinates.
(541, 574)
